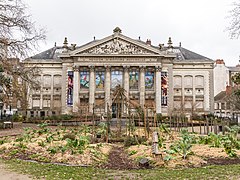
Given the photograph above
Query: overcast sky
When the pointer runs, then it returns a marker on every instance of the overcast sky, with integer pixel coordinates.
(200, 25)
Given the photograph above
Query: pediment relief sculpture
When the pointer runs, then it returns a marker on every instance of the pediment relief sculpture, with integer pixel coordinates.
(117, 47)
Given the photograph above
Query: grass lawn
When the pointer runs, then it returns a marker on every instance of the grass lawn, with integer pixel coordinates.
(49, 171)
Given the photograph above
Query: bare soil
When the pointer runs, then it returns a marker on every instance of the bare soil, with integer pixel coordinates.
(223, 161)
(119, 160)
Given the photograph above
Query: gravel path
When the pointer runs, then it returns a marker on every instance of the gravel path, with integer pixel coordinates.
(6, 174)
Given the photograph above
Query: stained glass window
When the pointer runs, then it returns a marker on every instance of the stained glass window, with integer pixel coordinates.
(149, 80)
(116, 78)
(70, 88)
(100, 79)
(133, 79)
(84, 79)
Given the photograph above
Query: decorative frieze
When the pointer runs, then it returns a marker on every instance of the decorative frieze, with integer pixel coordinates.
(117, 46)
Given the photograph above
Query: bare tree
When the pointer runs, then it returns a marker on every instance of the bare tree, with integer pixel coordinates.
(234, 27)
(18, 37)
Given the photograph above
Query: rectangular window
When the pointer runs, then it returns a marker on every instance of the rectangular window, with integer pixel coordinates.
(116, 78)
(70, 88)
(84, 79)
(100, 79)
(149, 80)
(133, 79)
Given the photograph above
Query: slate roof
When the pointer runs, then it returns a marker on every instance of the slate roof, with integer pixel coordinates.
(220, 96)
(234, 69)
(51, 53)
(181, 53)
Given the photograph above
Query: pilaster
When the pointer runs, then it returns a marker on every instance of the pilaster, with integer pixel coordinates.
(170, 89)
(64, 88)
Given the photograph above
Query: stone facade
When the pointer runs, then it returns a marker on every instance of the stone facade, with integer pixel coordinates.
(167, 78)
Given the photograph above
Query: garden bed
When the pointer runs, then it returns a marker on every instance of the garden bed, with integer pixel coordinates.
(77, 146)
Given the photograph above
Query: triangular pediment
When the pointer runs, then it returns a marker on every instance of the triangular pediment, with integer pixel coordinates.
(116, 44)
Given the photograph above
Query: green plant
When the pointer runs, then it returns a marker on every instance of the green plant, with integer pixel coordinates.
(20, 139)
(13, 152)
(77, 144)
(215, 139)
(42, 125)
(50, 138)
(184, 145)
(168, 157)
(42, 143)
(2, 141)
(85, 129)
(102, 129)
(53, 150)
(132, 152)
(229, 147)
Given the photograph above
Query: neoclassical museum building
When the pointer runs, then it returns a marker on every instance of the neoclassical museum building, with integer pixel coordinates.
(171, 79)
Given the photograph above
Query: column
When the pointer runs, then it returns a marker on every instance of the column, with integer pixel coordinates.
(107, 86)
(126, 84)
(142, 86)
(158, 90)
(91, 89)
(76, 88)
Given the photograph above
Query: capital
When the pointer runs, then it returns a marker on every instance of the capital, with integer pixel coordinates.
(158, 68)
(91, 68)
(142, 68)
(75, 68)
(108, 68)
(126, 68)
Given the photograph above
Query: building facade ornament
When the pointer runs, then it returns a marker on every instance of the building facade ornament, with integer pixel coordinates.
(117, 46)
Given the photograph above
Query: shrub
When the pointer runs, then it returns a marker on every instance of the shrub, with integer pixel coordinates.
(134, 140)
(184, 145)
(66, 117)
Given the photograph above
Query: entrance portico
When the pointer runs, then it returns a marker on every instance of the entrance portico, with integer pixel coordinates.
(117, 60)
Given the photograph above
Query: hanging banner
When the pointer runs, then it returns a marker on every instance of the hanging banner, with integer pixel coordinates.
(164, 80)
(100, 79)
(149, 80)
(84, 79)
(70, 88)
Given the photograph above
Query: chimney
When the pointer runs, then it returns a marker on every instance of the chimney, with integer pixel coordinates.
(220, 61)
(228, 89)
(148, 42)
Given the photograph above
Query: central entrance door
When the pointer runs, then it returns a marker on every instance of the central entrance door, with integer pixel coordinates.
(116, 110)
